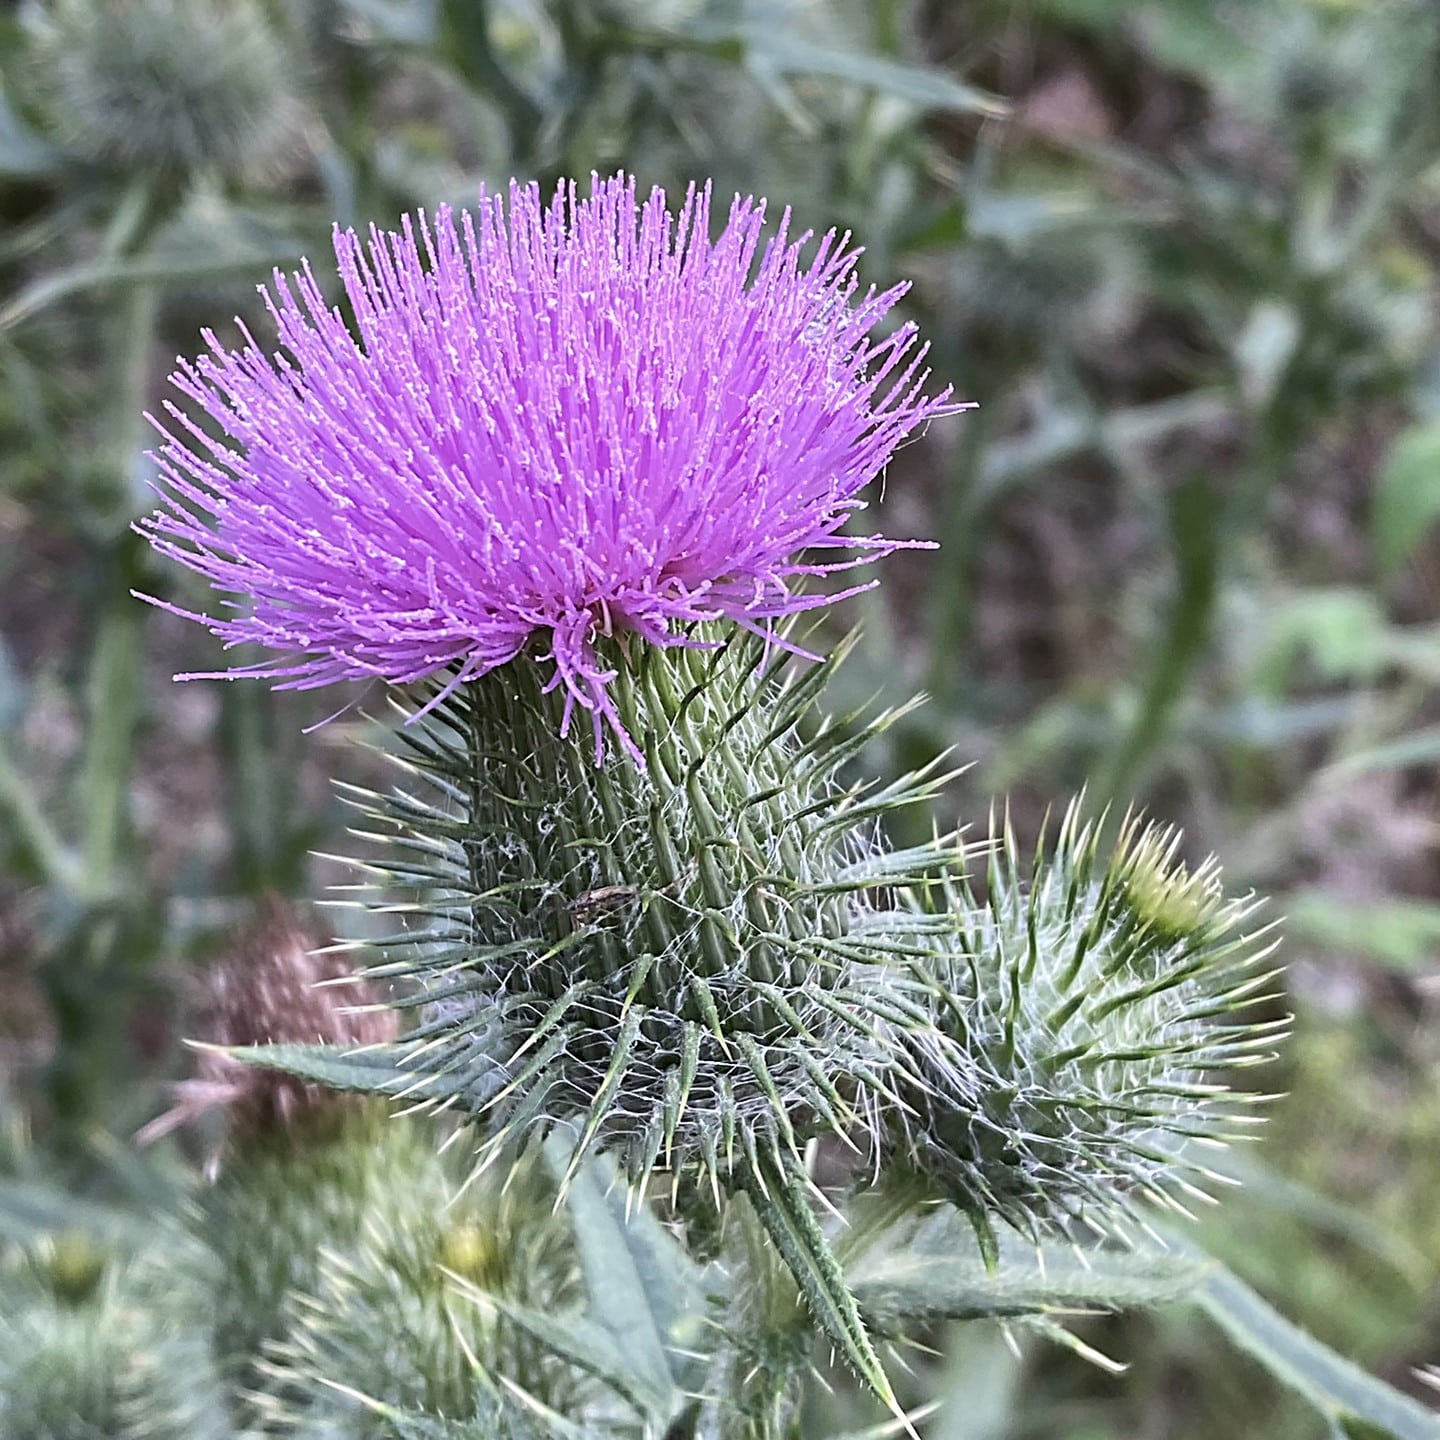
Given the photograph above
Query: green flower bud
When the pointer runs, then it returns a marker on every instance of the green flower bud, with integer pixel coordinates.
(1097, 1000)
(377, 1310)
(687, 965)
(279, 1204)
(118, 1351)
(72, 1265)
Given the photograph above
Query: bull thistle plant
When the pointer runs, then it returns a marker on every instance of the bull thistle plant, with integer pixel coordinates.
(556, 476)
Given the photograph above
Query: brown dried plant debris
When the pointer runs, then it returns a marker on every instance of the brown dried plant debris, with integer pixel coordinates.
(275, 985)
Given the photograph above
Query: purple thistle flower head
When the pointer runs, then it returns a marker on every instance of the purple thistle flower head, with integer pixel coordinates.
(564, 421)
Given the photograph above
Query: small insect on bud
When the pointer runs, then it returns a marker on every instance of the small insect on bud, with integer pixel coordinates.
(274, 986)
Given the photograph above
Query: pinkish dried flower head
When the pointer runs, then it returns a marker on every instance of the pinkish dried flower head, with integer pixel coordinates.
(567, 422)
(272, 987)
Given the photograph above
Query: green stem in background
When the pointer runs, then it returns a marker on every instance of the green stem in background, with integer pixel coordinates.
(961, 528)
(1279, 429)
(465, 25)
(887, 27)
(1197, 531)
(586, 52)
(32, 833)
(113, 706)
(113, 689)
(984, 472)
(113, 698)
(89, 1020)
(1206, 532)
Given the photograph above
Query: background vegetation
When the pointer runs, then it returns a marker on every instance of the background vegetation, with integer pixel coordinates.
(1186, 256)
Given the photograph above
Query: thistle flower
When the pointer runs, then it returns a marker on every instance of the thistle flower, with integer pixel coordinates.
(557, 424)
(1084, 1015)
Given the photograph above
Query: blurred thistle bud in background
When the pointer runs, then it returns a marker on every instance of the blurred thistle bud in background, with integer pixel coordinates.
(129, 1358)
(273, 984)
(1071, 281)
(167, 87)
(332, 1228)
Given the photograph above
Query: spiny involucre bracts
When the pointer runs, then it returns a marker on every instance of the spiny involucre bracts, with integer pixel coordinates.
(689, 965)
(557, 423)
(101, 1335)
(397, 1282)
(1098, 1000)
(695, 966)
(702, 966)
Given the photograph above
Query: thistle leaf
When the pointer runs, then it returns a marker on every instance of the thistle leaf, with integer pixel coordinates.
(936, 1272)
(644, 1291)
(378, 1071)
(592, 1348)
(781, 1203)
(1352, 1401)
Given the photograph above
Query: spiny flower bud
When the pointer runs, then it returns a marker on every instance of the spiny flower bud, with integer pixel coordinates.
(684, 965)
(168, 86)
(125, 1355)
(389, 1310)
(689, 965)
(1097, 1000)
(273, 986)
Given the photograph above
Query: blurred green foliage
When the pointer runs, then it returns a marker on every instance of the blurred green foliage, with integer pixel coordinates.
(1183, 252)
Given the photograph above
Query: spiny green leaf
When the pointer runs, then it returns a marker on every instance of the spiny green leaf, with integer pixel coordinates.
(940, 1271)
(643, 1289)
(783, 1208)
(364, 1072)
